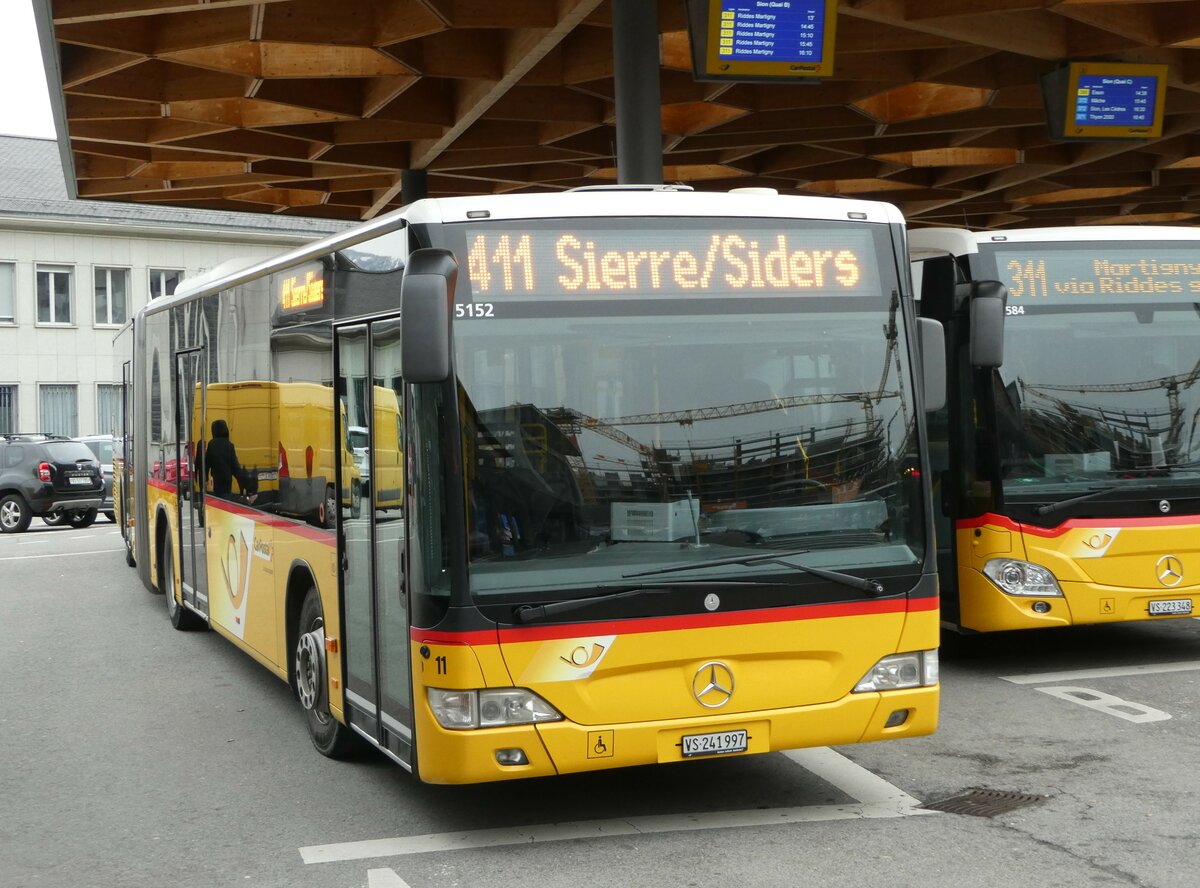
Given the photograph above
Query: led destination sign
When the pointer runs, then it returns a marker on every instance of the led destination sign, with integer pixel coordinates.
(647, 263)
(300, 289)
(1117, 276)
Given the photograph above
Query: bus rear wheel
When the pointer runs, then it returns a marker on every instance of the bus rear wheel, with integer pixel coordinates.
(329, 736)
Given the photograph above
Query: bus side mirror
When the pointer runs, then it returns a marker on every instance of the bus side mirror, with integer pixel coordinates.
(426, 299)
(987, 304)
(933, 363)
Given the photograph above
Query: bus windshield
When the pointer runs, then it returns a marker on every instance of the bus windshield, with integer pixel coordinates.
(1101, 364)
(702, 395)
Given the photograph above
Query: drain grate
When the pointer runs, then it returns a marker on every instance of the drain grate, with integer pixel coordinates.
(984, 802)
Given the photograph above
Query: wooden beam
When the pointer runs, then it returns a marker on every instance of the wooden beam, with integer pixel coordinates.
(72, 11)
(524, 49)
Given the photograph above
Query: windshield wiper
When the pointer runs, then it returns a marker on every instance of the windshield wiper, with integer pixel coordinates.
(1047, 508)
(528, 613)
(872, 587)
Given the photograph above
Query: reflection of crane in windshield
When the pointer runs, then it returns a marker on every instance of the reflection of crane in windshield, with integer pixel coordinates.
(1124, 424)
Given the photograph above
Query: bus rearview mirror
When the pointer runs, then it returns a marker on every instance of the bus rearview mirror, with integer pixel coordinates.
(933, 363)
(987, 303)
(426, 297)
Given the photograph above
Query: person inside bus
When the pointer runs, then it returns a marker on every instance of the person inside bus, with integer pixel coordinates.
(222, 466)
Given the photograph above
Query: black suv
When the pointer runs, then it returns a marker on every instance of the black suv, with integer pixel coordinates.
(47, 475)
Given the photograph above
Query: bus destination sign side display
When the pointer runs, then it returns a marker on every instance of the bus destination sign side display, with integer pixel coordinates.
(1117, 276)
(650, 263)
(300, 289)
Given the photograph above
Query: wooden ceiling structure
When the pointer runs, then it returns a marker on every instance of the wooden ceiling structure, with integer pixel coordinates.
(316, 107)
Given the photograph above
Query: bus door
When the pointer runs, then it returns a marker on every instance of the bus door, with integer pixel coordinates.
(371, 546)
(190, 375)
(123, 505)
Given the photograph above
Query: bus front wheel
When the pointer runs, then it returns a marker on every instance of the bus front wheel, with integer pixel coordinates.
(329, 736)
(181, 618)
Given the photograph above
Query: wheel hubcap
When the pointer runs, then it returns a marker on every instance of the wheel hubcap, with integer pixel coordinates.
(10, 514)
(309, 667)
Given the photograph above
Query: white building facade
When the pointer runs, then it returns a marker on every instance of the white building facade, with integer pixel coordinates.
(72, 273)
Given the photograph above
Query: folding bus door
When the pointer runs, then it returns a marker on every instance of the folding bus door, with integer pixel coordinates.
(371, 546)
(191, 378)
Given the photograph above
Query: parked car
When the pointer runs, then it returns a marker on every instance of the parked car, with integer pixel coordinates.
(102, 448)
(47, 475)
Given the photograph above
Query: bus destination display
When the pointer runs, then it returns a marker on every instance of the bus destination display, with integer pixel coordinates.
(1116, 276)
(299, 289)
(650, 263)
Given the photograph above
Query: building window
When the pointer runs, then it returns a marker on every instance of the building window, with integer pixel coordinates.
(8, 409)
(60, 410)
(112, 296)
(163, 282)
(53, 294)
(8, 302)
(108, 408)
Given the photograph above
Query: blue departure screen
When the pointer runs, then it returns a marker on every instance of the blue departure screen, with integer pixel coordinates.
(1115, 100)
(772, 30)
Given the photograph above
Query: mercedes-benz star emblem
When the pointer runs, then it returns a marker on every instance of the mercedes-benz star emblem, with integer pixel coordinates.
(713, 685)
(1169, 570)
(1164, 506)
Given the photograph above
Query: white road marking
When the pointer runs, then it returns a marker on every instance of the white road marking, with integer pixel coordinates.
(34, 542)
(877, 799)
(854, 780)
(1111, 672)
(58, 555)
(1138, 713)
(384, 878)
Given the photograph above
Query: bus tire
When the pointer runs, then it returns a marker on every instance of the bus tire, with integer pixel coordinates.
(181, 618)
(129, 559)
(81, 517)
(356, 498)
(329, 736)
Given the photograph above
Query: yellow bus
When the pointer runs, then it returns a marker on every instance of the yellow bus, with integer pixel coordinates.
(647, 471)
(1068, 460)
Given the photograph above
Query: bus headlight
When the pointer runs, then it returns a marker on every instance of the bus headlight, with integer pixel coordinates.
(1015, 577)
(489, 708)
(918, 669)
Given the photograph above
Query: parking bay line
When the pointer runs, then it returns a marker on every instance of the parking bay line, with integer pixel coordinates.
(59, 555)
(1102, 672)
(876, 799)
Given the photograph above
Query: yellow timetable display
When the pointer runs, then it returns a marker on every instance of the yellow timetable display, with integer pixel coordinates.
(655, 263)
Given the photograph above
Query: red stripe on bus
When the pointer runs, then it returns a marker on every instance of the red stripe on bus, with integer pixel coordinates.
(1005, 523)
(513, 634)
(325, 537)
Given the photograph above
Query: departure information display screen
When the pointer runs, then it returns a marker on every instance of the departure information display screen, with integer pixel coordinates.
(1096, 273)
(1106, 100)
(574, 260)
(765, 40)
(765, 31)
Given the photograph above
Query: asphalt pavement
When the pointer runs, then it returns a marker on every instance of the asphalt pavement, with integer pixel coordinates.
(135, 755)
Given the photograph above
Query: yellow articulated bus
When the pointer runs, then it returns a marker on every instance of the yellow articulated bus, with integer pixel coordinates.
(647, 478)
(1069, 455)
